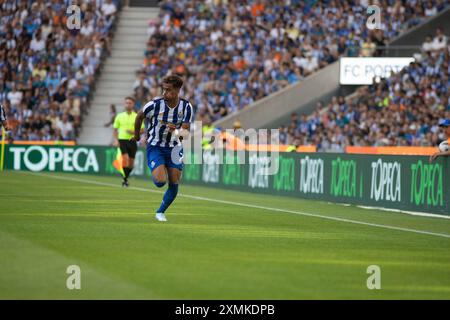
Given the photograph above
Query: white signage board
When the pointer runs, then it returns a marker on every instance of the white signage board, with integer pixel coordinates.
(362, 71)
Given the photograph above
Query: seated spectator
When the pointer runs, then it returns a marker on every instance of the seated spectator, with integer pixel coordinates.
(440, 40)
(65, 127)
(142, 82)
(257, 46)
(46, 70)
(14, 96)
(109, 9)
(400, 111)
(428, 44)
(368, 48)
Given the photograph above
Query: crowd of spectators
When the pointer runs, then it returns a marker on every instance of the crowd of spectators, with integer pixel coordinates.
(47, 68)
(230, 52)
(402, 110)
(235, 52)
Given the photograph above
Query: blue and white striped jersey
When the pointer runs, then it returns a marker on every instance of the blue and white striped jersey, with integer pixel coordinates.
(158, 115)
(2, 115)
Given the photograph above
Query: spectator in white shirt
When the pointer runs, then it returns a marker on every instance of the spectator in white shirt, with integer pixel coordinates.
(300, 61)
(88, 68)
(440, 40)
(10, 42)
(312, 64)
(109, 8)
(37, 44)
(66, 127)
(430, 10)
(428, 45)
(15, 96)
(141, 82)
(87, 29)
(278, 31)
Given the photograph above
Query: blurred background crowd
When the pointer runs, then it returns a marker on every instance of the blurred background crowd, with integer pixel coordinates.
(231, 54)
(47, 71)
(402, 110)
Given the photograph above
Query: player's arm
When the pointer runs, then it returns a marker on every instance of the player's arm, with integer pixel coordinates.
(4, 125)
(138, 125)
(184, 131)
(142, 128)
(439, 154)
(186, 124)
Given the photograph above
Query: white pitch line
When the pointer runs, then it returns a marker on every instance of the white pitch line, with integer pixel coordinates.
(443, 235)
(412, 213)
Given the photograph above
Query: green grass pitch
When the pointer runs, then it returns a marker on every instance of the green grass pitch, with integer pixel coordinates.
(217, 244)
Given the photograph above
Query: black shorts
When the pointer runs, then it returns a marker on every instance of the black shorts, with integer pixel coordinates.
(128, 147)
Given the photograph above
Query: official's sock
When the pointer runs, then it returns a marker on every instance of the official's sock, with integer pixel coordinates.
(169, 196)
(127, 172)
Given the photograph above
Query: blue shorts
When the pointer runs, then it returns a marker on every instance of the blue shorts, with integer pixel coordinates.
(171, 157)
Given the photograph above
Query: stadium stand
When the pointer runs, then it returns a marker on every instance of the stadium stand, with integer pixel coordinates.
(47, 71)
(403, 110)
(236, 52)
(247, 50)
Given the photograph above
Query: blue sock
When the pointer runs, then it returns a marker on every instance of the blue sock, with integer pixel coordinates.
(168, 198)
(158, 184)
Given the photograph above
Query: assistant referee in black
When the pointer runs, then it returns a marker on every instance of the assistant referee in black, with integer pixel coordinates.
(123, 132)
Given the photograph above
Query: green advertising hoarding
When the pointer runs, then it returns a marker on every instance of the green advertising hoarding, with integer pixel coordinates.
(407, 183)
(79, 159)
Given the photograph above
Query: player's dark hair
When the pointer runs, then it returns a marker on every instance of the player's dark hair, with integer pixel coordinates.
(175, 80)
(130, 98)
